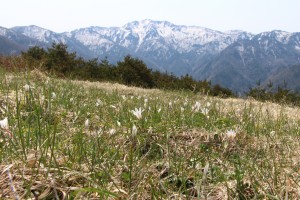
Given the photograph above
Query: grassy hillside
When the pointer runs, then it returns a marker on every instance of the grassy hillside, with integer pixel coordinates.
(81, 140)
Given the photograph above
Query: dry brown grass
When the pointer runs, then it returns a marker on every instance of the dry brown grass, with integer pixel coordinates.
(116, 87)
(273, 110)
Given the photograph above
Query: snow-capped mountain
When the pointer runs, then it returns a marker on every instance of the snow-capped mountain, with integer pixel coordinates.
(236, 59)
(161, 45)
(135, 35)
(38, 33)
(139, 37)
(12, 42)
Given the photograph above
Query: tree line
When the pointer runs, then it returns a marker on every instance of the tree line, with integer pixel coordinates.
(279, 94)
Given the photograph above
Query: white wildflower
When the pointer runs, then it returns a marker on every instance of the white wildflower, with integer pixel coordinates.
(137, 112)
(99, 102)
(272, 133)
(113, 106)
(145, 102)
(150, 130)
(134, 130)
(185, 103)
(100, 131)
(4, 123)
(8, 79)
(87, 123)
(26, 87)
(71, 99)
(159, 110)
(208, 104)
(196, 107)
(47, 81)
(198, 166)
(205, 111)
(231, 134)
(112, 131)
(42, 99)
(3, 110)
(119, 123)
(193, 160)
(53, 95)
(181, 109)
(205, 171)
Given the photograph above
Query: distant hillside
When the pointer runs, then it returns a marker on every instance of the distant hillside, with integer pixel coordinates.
(289, 77)
(9, 47)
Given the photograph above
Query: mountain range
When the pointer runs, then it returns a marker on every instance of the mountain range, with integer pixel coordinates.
(234, 59)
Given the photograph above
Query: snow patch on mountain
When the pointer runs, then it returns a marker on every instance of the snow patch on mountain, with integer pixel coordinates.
(91, 38)
(282, 36)
(3, 31)
(180, 38)
(38, 33)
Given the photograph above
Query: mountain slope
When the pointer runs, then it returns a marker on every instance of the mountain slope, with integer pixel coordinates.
(13, 43)
(288, 77)
(46, 38)
(161, 45)
(246, 62)
(8, 47)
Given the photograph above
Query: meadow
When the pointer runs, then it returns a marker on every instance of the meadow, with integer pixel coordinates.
(64, 139)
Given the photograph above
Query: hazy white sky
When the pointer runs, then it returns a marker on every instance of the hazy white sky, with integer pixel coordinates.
(65, 15)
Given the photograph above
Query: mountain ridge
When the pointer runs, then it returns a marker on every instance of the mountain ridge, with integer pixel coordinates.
(236, 59)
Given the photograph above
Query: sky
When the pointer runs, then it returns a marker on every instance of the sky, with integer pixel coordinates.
(254, 16)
